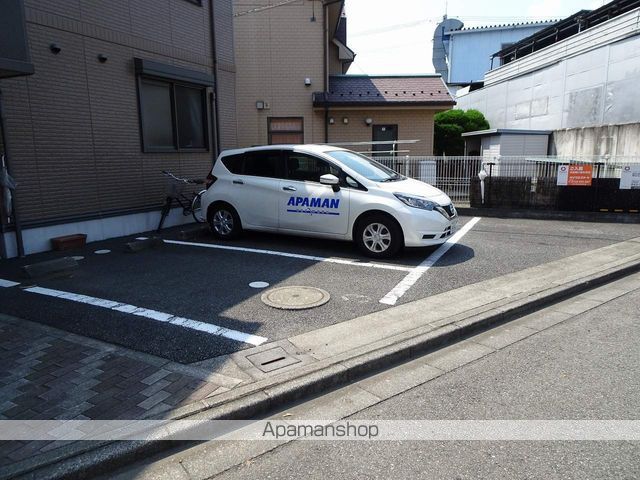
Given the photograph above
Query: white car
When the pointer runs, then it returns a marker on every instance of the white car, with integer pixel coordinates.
(328, 192)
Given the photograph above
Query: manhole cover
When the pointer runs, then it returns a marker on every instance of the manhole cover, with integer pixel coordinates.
(295, 298)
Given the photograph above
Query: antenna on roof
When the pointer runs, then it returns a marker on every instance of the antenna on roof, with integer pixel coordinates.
(446, 9)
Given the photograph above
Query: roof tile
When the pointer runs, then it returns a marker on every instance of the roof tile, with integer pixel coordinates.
(385, 90)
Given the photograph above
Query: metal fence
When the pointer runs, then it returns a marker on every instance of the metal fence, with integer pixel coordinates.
(455, 175)
(452, 175)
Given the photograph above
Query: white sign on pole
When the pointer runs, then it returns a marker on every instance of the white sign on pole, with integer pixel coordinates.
(630, 177)
(563, 175)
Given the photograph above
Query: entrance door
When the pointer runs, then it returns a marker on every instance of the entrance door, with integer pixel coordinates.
(384, 133)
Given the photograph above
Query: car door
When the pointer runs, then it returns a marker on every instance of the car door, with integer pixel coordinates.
(256, 191)
(307, 205)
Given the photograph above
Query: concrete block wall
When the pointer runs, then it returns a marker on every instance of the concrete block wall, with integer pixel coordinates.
(607, 140)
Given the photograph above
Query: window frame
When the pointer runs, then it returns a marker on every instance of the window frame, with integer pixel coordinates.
(172, 83)
(271, 132)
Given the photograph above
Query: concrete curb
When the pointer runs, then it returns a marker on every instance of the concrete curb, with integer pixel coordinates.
(599, 217)
(139, 245)
(57, 266)
(257, 399)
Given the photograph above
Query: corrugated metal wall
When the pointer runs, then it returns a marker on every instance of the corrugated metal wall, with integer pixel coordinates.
(470, 50)
(586, 80)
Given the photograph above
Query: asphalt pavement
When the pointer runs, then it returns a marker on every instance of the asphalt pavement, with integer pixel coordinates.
(211, 285)
(586, 368)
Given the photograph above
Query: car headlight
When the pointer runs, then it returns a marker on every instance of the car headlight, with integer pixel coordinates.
(417, 202)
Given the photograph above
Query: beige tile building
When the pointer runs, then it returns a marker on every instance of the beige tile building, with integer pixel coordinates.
(98, 99)
(291, 61)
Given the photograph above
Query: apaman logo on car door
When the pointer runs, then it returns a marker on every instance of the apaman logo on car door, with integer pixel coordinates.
(313, 205)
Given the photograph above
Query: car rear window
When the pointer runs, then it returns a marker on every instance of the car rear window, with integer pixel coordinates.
(233, 163)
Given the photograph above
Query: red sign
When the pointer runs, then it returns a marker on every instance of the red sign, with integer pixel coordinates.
(575, 175)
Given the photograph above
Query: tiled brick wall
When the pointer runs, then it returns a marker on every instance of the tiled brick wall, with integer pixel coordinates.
(226, 74)
(413, 124)
(276, 50)
(73, 126)
(335, 65)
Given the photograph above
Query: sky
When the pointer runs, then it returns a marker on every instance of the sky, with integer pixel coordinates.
(395, 36)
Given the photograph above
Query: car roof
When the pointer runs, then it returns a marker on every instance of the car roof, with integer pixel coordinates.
(308, 148)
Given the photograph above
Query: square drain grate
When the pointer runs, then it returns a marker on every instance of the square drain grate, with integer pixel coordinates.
(272, 359)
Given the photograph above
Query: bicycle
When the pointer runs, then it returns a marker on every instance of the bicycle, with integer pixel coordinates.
(190, 203)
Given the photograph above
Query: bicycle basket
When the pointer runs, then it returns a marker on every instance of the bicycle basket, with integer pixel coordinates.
(174, 187)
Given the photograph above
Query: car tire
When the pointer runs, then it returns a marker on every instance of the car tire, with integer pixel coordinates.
(378, 236)
(224, 221)
(196, 208)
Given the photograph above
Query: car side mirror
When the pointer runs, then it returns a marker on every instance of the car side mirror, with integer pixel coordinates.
(332, 180)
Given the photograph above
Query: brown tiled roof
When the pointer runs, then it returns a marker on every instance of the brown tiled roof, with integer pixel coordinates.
(384, 90)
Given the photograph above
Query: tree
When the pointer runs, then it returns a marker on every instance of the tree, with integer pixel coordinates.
(449, 127)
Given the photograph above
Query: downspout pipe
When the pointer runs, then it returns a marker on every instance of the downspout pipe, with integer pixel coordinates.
(7, 156)
(325, 80)
(214, 53)
(325, 21)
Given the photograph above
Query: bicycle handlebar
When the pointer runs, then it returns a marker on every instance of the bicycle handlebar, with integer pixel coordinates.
(183, 180)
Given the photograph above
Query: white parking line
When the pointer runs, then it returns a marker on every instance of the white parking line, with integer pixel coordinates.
(151, 314)
(7, 283)
(294, 255)
(407, 282)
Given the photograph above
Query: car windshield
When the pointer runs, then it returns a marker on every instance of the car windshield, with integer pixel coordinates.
(368, 168)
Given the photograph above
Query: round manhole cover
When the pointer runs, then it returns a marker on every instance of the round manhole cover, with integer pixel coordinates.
(295, 298)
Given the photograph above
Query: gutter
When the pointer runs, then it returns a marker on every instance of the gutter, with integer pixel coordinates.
(214, 53)
(327, 104)
(325, 62)
(325, 74)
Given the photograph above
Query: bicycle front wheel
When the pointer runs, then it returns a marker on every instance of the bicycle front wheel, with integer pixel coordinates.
(196, 208)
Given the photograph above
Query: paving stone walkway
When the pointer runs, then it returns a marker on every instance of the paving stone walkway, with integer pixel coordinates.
(49, 374)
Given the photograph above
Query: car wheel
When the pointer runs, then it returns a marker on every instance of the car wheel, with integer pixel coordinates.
(224, 221)
(379, 236)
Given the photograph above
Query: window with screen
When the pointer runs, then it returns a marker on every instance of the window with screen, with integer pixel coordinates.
(286, 130)
(190, 117)
(157, 115)
(308, 168)
(173, 116)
